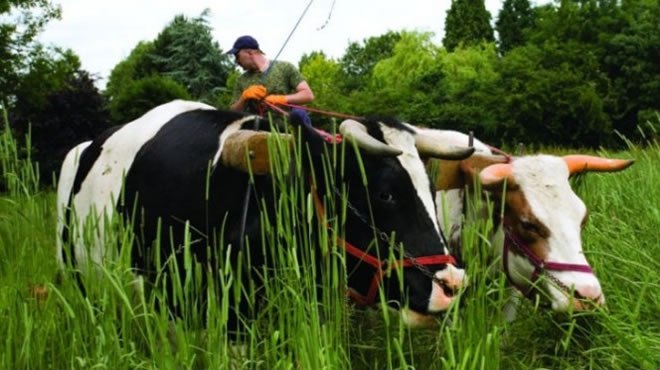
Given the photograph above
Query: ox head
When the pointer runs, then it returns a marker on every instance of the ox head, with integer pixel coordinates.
(542, 223)
(391, 234)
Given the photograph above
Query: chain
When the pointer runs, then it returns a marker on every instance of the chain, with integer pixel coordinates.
(539, 266)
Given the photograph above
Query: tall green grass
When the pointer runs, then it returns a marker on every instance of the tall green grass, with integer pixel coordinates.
(118, 323)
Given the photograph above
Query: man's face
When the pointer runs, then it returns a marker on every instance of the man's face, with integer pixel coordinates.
(244, 58)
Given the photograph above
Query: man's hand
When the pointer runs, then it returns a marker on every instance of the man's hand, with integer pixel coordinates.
(276, 99)
(254, 92)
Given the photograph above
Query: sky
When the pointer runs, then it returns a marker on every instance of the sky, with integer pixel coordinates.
(103, 32)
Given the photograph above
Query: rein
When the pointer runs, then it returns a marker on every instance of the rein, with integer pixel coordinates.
(512, 241)
(382, 268)
(309, 109)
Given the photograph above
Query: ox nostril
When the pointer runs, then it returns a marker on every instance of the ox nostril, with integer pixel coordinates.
(448, 289)
(591, 292)
(588, 298)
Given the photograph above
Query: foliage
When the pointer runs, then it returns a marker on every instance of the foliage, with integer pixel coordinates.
(467, 90)
(324, 74)
(359, 59)
(70, 114)
(129, 70)
(185, 52)
(393, 88)
(543, 99)
(515, 18)
(467, 23)
(142, 95)
(20, 22)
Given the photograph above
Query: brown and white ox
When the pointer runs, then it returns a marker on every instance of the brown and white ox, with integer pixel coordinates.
(538, 235)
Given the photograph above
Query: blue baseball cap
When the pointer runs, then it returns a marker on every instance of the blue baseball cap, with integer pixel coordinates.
(244, 42)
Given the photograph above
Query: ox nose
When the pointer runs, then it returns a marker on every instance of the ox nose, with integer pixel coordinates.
(446, 284)
(589, 297)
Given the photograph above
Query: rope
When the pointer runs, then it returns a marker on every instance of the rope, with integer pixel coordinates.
(287, 39)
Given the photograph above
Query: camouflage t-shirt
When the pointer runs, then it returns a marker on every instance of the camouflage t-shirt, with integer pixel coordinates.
(281, 80)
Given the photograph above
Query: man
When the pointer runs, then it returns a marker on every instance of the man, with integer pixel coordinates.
(282, 84)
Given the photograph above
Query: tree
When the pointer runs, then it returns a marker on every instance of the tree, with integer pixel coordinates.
(514, 19)
(323, 75)
(70, 114)
(142, 95)
(545, 98)
(185, 52)
(129, 70)
(20, 22)
(393, 88)
(467, 23)
(360, 58)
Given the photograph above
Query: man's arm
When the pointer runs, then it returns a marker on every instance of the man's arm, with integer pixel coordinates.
(238, 105)
(303, 94)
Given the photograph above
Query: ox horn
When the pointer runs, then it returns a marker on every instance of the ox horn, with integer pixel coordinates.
(494, 174)
(579, 163)
(427, 146)
(356, 132)
(247, 150)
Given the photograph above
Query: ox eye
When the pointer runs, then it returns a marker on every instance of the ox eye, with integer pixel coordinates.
(529, 226)
(386, 197)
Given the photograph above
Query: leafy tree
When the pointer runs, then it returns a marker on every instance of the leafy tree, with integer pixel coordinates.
(72, 113)
(514, 19)
(467, 23)
(630, 56)
(464, 97)
(129, 70)
(185, 52)
(323, 75)
(549, 102)
(360, 58)
(142, 95)
(615, 45)
(393, 88)
(20, 22)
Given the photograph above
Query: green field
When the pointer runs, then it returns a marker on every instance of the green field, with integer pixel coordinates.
(116, 326)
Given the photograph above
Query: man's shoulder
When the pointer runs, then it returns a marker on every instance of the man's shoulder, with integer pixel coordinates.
(283, 64)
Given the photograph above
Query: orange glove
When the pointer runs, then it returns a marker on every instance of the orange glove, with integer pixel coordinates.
(254, 92)
(276, 99)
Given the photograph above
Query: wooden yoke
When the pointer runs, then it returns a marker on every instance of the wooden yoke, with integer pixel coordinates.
(245, 150)
(456, 174)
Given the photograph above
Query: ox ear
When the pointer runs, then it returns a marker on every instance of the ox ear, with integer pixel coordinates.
(494, 175)
(247, 150)
(580, 163)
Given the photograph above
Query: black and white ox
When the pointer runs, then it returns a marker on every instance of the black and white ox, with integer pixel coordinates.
(539, 234)
(186, 162)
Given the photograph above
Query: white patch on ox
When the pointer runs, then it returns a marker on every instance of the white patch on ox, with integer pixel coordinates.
(413, 164)
(102, 185)
(64, 188)
(544, 181)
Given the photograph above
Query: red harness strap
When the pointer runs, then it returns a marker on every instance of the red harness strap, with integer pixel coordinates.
(382, 268)
(512, 241)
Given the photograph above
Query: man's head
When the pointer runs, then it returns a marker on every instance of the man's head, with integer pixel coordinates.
(244, 50)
